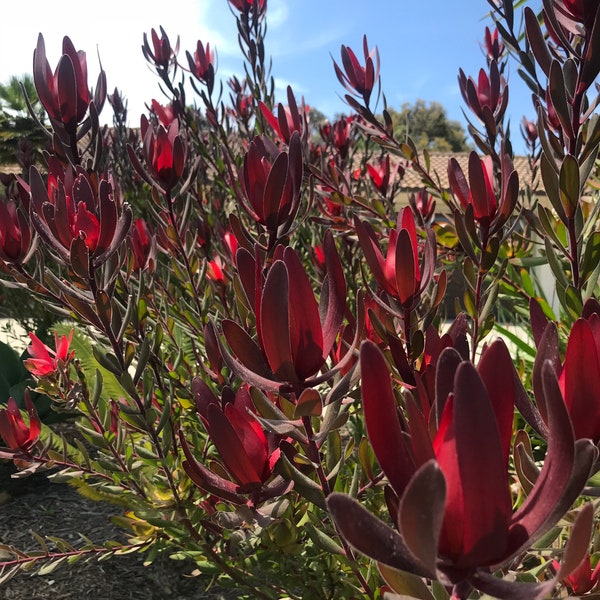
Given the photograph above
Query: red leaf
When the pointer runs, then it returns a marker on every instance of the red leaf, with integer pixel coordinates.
(306, 336)
(383, 427)
(581, 381)
(231, 449)
(372, 537)
(275, 323)
(421, 513)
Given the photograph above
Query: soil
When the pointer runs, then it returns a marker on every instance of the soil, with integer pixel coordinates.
(56, 509)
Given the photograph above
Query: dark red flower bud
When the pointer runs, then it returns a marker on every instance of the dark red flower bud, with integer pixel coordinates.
(15, 234)
(400, 273)
(161, 55)
(248, 452)
(143, 245)
(164, 152)
(165, 114)
(246, 6)
(382, 174)
(289, 118)
(202, 65)
(270, 182)
(479, 191)
(18, 436)
(488, 97)
(65, 94)
(494, 47)
(356, 78)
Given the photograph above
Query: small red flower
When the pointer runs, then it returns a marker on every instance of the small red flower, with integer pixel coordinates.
(270, 181)
(165, 114)
(17, 435)
(382, 174)
(248, 452)
(44, 360)
(215, 270)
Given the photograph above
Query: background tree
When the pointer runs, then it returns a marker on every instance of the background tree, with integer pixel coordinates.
(20, 139)
(429, 127)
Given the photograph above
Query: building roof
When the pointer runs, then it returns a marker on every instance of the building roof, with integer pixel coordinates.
(439, 164)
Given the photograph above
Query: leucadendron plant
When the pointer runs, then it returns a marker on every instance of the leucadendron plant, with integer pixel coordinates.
(257, 344)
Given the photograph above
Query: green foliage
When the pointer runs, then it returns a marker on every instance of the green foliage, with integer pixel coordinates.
(428, 126)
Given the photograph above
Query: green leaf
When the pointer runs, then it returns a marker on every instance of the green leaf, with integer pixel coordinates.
(304, 485)
(322, 540)
(404, 583)
(516, 340)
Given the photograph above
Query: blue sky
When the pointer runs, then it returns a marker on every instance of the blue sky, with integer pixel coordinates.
(421, 44)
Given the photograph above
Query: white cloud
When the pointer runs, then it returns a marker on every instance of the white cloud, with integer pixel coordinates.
(277, 12)
(115, 32)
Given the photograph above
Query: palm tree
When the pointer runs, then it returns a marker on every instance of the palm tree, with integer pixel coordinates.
(20, 137)
(12, 98)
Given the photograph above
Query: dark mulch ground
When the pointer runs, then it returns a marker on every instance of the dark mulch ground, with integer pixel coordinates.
(58, 510)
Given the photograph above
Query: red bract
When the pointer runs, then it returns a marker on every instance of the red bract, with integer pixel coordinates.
(358, 79)
(245, 6)
(202, 65)
(382, 174)
(488, 97)
(164, 113)
(479, 192)
(423, 203)
(270, 181)
(400, 273)
(161, 54)
(295, 333)
(215, 270)
(143, 245)
(15, 234)
(577, 11)
(583, 579)
(248, 453)
(580, 378)
(454, 513)
(338, 135)
(18, 436)
(289, 119)
(164, 152)
(494, 47)
(82, 220)
(44, 360)
(65, 94)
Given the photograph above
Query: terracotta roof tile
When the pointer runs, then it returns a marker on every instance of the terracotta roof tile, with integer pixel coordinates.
(439, 164)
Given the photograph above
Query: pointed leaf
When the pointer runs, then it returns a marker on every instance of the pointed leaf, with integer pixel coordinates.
(421, 514)
(371, 536)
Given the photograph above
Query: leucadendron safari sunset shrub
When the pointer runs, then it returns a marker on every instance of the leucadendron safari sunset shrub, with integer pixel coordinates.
(270, 371)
